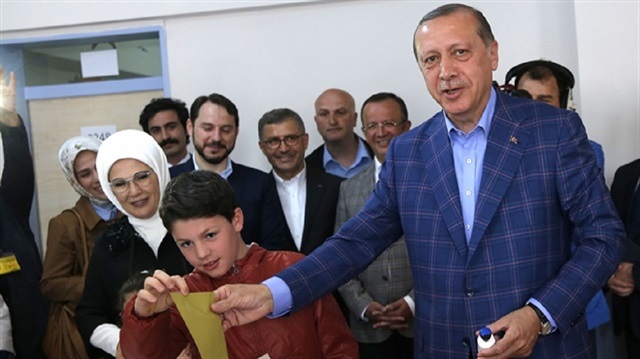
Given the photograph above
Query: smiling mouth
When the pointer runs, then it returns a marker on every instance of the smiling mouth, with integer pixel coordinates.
(211, 265)
(139, 203)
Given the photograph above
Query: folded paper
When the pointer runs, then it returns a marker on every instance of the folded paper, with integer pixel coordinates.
(204, 325)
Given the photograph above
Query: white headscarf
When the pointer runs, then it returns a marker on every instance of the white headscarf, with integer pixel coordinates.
(67, 157)
(139, 146)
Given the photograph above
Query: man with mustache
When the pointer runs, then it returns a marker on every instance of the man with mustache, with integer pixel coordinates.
(165, 119)
(214, 127)
(490, 194)
(343, 153)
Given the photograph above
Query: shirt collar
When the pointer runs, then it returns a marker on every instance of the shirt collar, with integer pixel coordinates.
(224, 174)
(362, 154)
(485, 119)
(378, 167)
(297, 179)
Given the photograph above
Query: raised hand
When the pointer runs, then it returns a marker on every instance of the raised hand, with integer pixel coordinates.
(155, 296)
(8, 114)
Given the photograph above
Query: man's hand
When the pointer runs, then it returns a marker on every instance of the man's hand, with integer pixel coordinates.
(621, 282)
(374, 309)
(155, 296)
(242, 303)
(396, 315)
(521, 329)
(8, 114)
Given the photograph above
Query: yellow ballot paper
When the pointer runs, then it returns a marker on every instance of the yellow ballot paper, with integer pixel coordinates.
(204, 325)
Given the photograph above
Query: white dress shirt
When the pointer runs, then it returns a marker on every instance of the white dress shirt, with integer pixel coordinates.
(293, 197)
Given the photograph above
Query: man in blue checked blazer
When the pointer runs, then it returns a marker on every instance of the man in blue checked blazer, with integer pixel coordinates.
(488, 194)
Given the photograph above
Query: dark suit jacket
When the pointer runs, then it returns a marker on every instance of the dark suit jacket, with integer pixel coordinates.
(320, 211)
(264, 221)
(20, 289)
(314, 160)
(540, 183)
(622, 190)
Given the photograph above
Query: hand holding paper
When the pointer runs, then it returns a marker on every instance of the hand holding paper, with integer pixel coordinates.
(155, 296)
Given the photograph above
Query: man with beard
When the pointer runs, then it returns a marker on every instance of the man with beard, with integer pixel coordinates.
(214, 127)
(165, 119)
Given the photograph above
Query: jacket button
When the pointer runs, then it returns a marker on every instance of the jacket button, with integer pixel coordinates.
(384, 277)
(469, 292)
(466, 342)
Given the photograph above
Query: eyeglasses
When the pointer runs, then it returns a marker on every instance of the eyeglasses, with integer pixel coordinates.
(121, 185)
(275, 142)
(387, 125)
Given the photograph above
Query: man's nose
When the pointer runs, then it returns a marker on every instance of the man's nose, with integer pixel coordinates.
(447, 68)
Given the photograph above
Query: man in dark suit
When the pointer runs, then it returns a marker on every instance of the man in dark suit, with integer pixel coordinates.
(214, 126)
(308, 196)
(625, 282)
(381, 298)
(490, 194)
(343, 153)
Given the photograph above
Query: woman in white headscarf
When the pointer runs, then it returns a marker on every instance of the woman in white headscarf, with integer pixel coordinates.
(133, 174)
(70, 239)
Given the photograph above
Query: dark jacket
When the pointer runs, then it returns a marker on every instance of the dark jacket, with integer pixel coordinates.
(21, 289)
(320, 211)
(120, 253)
(622, 190)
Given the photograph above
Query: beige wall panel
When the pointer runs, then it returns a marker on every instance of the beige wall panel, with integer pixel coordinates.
(55, 121)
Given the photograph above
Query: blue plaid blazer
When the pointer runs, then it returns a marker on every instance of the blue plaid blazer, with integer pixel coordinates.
(540, 184)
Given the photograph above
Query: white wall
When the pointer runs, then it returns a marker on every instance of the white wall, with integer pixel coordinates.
(284, 56)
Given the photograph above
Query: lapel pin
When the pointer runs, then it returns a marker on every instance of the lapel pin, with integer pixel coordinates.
(514, 139)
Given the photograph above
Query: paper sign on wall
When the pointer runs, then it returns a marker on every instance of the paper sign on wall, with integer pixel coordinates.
(99, 63)
(100, 132)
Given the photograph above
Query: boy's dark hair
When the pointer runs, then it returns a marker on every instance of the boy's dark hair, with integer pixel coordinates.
(197, 194)
(133, 284)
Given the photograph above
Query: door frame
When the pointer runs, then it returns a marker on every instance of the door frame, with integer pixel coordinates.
(13, 60)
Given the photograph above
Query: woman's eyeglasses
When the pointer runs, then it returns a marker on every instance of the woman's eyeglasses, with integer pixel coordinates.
(121, 185)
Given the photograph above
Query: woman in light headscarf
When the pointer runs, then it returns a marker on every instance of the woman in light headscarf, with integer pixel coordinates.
(71, 238)
(133, 174)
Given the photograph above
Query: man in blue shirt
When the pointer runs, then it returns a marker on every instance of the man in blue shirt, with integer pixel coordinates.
(490, 194)
(343, 153)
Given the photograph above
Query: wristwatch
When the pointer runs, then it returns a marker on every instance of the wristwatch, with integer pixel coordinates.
(545, 325)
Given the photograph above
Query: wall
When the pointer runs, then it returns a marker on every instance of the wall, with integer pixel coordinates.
(264, 56)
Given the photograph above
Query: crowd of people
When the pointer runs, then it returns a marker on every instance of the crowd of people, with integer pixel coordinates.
(493, 213)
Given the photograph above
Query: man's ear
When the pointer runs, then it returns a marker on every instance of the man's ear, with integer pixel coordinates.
(238, 220)
(189, 127)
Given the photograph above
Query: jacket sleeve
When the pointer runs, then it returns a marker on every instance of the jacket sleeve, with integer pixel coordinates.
(61, 281)
(18, 176)
(597, 230)
(161, 336)
(333, 333)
